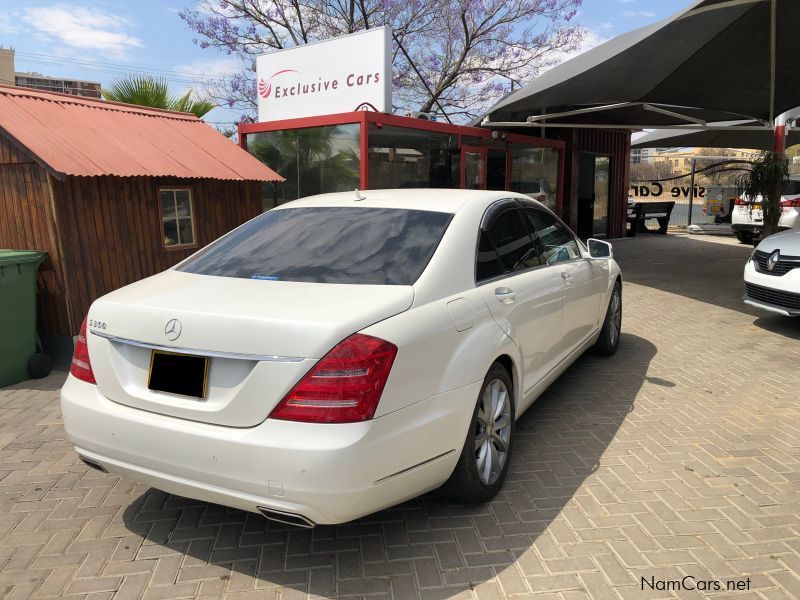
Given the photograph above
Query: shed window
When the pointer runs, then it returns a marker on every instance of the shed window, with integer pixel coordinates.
(177, 221)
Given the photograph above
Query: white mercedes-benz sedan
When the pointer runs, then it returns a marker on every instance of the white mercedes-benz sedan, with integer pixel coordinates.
(772, 274)
(341, 353)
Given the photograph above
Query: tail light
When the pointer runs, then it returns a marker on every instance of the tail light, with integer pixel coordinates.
(795, 203)
(740, 202)
(81, 367)
(344, 386)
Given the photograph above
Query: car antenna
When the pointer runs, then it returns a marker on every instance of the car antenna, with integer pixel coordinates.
(359, 197)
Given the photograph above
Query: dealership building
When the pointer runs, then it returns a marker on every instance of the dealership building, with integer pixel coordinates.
(325, 125)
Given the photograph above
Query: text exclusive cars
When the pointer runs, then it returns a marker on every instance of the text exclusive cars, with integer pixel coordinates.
(341, 353)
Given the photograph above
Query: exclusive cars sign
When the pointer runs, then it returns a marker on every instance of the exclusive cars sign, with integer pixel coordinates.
(334, 76)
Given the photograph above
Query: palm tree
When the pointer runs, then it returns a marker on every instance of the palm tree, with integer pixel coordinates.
(145, 90)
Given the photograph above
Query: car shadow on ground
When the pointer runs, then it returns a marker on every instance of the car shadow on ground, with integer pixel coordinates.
(426, 542)
(788, 327)
(699, 269)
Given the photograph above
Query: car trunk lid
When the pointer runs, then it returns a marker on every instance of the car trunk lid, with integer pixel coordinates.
(260, 338)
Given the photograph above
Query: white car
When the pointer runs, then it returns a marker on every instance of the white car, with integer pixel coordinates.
(747, 220)
(341, 353)
(772, 274)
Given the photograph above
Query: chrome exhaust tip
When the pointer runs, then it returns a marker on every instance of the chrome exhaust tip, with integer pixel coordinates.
(92, 465)
(286, 518)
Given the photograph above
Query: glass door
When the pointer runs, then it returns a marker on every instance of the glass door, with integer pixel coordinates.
(602, 179)
(473, 168)
(497, 169)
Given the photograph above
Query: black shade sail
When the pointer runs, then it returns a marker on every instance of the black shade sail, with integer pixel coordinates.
(723, 59)
(735, 134)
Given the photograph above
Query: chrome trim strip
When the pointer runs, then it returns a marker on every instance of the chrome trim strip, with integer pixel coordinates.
(424, 462)
(209, 353)
(781, 310)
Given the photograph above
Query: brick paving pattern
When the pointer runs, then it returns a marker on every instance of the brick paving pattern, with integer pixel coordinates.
(678, 456)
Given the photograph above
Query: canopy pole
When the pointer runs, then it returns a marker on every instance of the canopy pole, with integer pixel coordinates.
(773, 34)
(691, 191)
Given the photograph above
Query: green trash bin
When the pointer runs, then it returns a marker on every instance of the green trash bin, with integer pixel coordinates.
(17, 313)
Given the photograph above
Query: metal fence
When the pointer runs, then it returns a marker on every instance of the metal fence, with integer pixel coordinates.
(680, 212)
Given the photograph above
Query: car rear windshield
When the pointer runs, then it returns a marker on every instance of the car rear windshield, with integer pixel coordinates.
(361, 245)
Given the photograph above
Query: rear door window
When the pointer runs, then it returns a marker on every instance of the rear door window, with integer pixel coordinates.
(353, 245)
(505, 246)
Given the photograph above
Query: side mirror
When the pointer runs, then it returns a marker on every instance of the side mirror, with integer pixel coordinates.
(599, 249)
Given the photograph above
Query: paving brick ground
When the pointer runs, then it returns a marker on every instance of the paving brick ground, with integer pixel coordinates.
(679, 456)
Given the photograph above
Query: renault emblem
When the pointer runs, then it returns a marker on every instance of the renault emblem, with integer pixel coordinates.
(173, 330)
(773, 260)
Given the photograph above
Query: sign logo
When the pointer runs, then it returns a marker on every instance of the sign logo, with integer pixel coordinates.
(265, 85)
(173, 330)
(773, 260)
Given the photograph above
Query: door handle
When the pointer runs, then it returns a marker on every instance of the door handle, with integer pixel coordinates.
(568, 280)
(505, 295)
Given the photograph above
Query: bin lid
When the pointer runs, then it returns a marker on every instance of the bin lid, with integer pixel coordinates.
(13, 257)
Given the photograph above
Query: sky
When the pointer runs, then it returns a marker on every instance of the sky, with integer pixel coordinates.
(96, 40)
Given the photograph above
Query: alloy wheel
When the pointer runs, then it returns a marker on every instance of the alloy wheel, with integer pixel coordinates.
(616, 317)
(493, 431)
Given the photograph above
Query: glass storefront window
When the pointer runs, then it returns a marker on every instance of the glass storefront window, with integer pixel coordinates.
(411, 158)
(313, 160)
(534, 172)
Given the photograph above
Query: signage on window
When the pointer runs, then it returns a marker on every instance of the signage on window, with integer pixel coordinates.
(338, 75)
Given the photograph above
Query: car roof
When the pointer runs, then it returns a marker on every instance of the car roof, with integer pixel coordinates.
(438, 200)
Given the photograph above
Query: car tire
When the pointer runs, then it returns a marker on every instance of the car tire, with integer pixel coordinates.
(608, 342)
(745, 237)
(477, 477)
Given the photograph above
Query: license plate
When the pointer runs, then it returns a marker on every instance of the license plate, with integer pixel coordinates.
(181, 374)
(756, 207)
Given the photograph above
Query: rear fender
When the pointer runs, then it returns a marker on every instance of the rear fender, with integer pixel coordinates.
(434, 358)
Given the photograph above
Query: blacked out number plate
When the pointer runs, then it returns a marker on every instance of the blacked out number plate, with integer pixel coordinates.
(181, 374)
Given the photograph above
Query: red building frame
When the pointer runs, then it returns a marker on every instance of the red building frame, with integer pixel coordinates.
(364, 118)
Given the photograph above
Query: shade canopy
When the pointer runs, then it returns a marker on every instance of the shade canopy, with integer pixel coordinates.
(716, 60)
(735, 134)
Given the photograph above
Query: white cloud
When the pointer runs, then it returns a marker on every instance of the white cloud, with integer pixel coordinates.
(8, 22)
(591, 39)
(82, 28)
(639, 13)
(206, 75)
(212, 68)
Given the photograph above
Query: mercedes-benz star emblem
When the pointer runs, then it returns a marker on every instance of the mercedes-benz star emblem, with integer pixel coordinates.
(773, 260)
(173, 330)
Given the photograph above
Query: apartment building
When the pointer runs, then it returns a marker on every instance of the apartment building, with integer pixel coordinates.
(37, 81)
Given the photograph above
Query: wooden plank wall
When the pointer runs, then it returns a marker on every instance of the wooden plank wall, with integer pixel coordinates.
(27, 223)
(111, 228)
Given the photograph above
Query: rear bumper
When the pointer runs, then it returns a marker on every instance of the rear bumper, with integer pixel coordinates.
(325, 473)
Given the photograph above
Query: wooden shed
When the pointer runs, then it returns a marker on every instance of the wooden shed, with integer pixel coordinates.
(113, 193)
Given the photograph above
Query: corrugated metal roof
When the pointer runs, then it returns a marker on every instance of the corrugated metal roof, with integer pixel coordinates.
(86, 137)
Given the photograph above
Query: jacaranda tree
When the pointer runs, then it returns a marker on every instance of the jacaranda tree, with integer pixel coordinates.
(469, 52)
